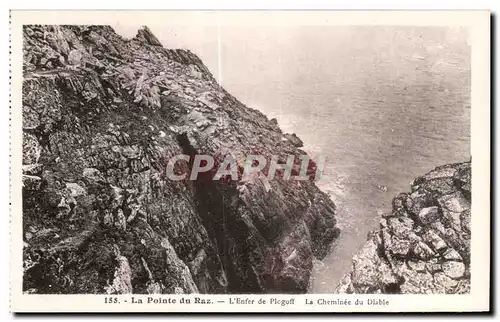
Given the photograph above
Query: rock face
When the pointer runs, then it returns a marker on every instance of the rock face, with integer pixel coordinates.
(423, 246)
(102, 115)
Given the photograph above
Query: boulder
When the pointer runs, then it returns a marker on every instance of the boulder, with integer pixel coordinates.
(453, 269)
(454, 202)
(74, 57)
(294, 139)
(122, 278)
(428, 215)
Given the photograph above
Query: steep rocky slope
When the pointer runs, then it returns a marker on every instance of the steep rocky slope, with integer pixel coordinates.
(102, 115)
(423, 246)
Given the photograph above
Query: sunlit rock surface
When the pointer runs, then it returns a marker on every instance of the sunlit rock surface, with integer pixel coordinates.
(423, 246)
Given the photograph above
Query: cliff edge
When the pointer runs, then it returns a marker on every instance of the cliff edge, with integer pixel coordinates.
(423, 246)
(102, 115)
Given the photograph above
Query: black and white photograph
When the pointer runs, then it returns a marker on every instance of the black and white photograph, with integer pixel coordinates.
(269, 156)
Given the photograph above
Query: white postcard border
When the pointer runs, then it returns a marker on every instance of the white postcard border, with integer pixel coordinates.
(478, 23)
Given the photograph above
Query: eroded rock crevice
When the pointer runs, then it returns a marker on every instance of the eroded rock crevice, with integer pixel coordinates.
(102, 116)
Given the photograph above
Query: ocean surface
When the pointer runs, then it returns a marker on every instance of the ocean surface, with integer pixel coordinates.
(383, 104)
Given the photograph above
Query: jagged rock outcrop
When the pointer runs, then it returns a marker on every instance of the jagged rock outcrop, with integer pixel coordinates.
(102, 115)
(423, 246)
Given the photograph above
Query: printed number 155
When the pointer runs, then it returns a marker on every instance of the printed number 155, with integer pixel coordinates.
(110, 300)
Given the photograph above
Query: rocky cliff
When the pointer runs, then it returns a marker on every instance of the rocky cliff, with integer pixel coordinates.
(102, 115)
(423, 246)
